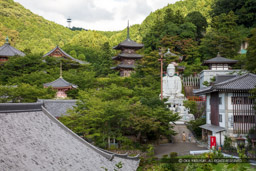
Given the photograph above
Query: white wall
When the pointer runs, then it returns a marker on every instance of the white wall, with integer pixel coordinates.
(208, 109)
(217, 135)
(206, 75)
(222, 110)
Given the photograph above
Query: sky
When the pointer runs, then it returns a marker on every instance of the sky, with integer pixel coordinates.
(104, 15)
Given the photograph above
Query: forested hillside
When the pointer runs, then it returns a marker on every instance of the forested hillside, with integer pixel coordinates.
(110, 106)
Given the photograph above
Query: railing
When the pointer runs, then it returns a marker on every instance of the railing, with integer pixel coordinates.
(197, 98)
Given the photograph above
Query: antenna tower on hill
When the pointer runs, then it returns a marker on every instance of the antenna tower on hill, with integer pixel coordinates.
(69, 20)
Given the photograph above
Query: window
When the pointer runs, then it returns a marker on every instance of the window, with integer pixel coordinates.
(242, 100)
(231, 121)
(244, 119)
(220, 118)
(220, 100)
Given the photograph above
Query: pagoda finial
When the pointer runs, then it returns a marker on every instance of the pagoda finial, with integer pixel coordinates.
(128, 33)
(60, 69)
(7, 39)
(218, 55)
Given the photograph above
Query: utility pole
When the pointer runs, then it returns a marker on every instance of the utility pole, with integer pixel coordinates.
(161, 61)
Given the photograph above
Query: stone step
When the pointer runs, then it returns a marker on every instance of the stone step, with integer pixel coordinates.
(179, 129)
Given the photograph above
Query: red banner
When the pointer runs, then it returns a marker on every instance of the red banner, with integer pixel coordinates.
(213, 142)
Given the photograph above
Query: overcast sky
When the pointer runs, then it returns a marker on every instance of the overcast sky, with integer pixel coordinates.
(105, 15)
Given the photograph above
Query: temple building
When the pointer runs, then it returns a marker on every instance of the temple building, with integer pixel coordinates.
(57, 52)
(229, 108)
(33, 139)
(127, 56)
(61, 86)
(7, 51)
(217, 66)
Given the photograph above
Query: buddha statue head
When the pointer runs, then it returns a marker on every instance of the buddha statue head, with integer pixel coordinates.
(170, 70)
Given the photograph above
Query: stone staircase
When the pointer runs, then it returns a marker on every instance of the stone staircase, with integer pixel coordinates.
(179, 129)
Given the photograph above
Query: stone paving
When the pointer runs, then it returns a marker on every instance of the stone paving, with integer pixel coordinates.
(178, 146)
(182, 148)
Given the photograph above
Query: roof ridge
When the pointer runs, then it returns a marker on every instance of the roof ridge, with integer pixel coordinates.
(231, 80)
(107, 154)
(20, 107)
(65, 54)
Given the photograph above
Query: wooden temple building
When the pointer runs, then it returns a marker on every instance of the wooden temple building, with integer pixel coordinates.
(7, 51)
(61, 85)
(229, 108)
(57, 52)
(217, 66)
(127, 56)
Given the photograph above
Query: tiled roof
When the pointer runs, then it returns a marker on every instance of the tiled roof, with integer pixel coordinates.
(128, 43)
(8, 50)
(59, 83)
(127, 55)
(220, 60)
(66, 55)
(36, 140)
(212, 128)
(221, 78)
(244, 82)
(58, 107)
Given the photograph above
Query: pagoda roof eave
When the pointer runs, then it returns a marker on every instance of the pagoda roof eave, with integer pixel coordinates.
(127, 56)
(219, 60)
(122, 66)
(7, 50)
(66, 55)
(128, 43)
(60, 83)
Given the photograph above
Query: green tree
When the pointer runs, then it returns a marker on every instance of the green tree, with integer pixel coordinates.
(244, 9)
(251, 53)
(199, 21)
(223, 37)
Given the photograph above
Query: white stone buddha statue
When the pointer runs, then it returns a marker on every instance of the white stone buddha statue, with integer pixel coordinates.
(172, 86)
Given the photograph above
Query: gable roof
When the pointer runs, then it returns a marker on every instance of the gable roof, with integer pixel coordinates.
(36, 140)
(65, 55)
(244, 82)
(8, 50)
(220, 60)
(60, 83)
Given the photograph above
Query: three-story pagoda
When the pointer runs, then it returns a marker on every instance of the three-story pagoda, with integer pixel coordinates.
(127, 56)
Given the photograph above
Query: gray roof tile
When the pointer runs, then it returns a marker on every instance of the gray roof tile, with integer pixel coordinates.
(244, 82)
(220, 60)
(128, 43)
(58, 108)
(127, 55)
(124, 66)
(66, 55)
(36, 140)
(8, 50)
(60, 82)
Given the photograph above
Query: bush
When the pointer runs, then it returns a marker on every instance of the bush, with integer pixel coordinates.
(173, 154)
(194, 126)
